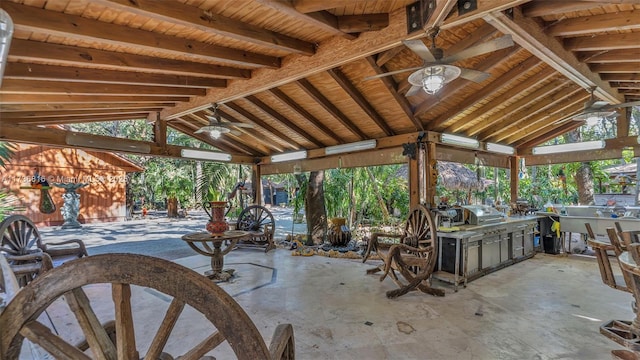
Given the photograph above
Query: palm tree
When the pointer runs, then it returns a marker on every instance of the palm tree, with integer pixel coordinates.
(8, 201)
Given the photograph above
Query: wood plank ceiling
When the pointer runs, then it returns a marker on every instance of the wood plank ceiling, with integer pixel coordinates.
(296, 69)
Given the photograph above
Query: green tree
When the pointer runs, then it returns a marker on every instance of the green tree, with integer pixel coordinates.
(8, 201)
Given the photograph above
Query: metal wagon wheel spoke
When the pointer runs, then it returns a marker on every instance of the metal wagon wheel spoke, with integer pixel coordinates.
(18, 320)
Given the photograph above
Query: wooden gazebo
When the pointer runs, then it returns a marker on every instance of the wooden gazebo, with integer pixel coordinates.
(297, 72)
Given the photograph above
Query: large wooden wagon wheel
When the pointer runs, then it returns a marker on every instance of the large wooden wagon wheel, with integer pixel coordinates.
(19, 239)
(20, 318)
(258, 220)
(19, 235)
(414, 257)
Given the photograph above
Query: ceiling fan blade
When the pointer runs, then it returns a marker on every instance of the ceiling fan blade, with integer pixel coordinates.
(487, 47)
(393, 73)
(617, 106)
(474, 75)
(420, 48)
(413, 90)
(235, 132)
(199, 131)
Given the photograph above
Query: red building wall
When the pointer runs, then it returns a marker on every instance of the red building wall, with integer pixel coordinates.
(104, 199)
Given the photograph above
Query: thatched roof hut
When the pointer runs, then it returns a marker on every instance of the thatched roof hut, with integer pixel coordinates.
(453, 176)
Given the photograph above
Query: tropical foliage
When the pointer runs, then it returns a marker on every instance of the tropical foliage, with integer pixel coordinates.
(8, 201)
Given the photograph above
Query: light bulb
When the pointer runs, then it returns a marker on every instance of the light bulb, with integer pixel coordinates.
(434, 80)
(215, 133)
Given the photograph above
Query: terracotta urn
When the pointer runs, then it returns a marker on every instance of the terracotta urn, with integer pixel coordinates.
(217, 224)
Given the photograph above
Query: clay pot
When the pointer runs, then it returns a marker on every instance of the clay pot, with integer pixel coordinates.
(217, 224)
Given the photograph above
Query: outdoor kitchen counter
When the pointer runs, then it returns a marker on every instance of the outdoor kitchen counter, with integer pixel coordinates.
(476, 250)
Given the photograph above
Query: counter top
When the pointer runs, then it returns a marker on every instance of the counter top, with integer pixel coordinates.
(474, 228)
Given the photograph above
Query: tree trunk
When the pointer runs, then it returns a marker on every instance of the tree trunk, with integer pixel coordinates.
(315, 209)
(172, 207)
(381, 203)
(584, 183)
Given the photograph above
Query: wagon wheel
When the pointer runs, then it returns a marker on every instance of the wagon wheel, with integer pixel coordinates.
(257, 218)
(18, 239)
(19, 235)
(20, 318)
(419, 232)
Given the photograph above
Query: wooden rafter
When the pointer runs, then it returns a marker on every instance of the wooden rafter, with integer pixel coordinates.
(74, 99)
(552, 7)
(543, 122)
(56, 87)
(553, 133)
(505, 80)
(276, 134)
(465, 123)
(74, 119)
(451, 88)
(507, 116)
(610, 56)
(360, 100)
(312, 120)
(603, 42)
(530, 35)
(52, 23)
(392, 88)
(283, 120)
(206, 21)
(317, 96)
(624, 20)
(36, 108)
(78, 74)
(264, 141)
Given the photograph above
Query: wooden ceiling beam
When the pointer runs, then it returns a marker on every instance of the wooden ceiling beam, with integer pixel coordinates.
(51, 23)
(603, 42)
(320, 19)
(587, 25)
(297, 67)
(312, 120)
(36, 108)
(530, 35)
(626, 85)
(186, 128)
(27, 71)
(36, 51)
(360, 100)
(629, 67)
(468, 121)
(55, 87)
(73, 119)
(550, 134)
(620, 77)
(283, 120)
(276, 134)
(38, 115)
(506, 116)
(553, 7)
(559, 115)
(505, 80)
(449, 89)
(328, 106)
(226, 140)
(362, 23)
(6, 98)
(307, 6)
(610, 56)
(392, 88)
(194, 17)
(266, 143)
(527, 116)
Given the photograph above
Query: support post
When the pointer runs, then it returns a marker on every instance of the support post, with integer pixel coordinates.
(256, 183)
(514, 165)
(414, 180)
(431, 174)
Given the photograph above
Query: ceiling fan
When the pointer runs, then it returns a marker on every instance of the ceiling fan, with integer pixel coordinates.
(595, 110)
(437, 70)
(216, 127)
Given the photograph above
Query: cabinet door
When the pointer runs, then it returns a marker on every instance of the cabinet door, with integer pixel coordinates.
(517, 244)
(528, 240)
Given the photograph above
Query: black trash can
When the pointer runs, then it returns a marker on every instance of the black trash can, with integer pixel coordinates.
(551, 244)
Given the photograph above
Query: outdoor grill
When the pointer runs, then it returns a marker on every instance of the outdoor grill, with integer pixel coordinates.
(482, 215)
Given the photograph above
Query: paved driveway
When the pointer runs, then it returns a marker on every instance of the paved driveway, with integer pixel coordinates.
(156, 235)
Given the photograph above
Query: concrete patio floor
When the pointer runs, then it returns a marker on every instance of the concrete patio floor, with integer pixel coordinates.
(547, 307)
